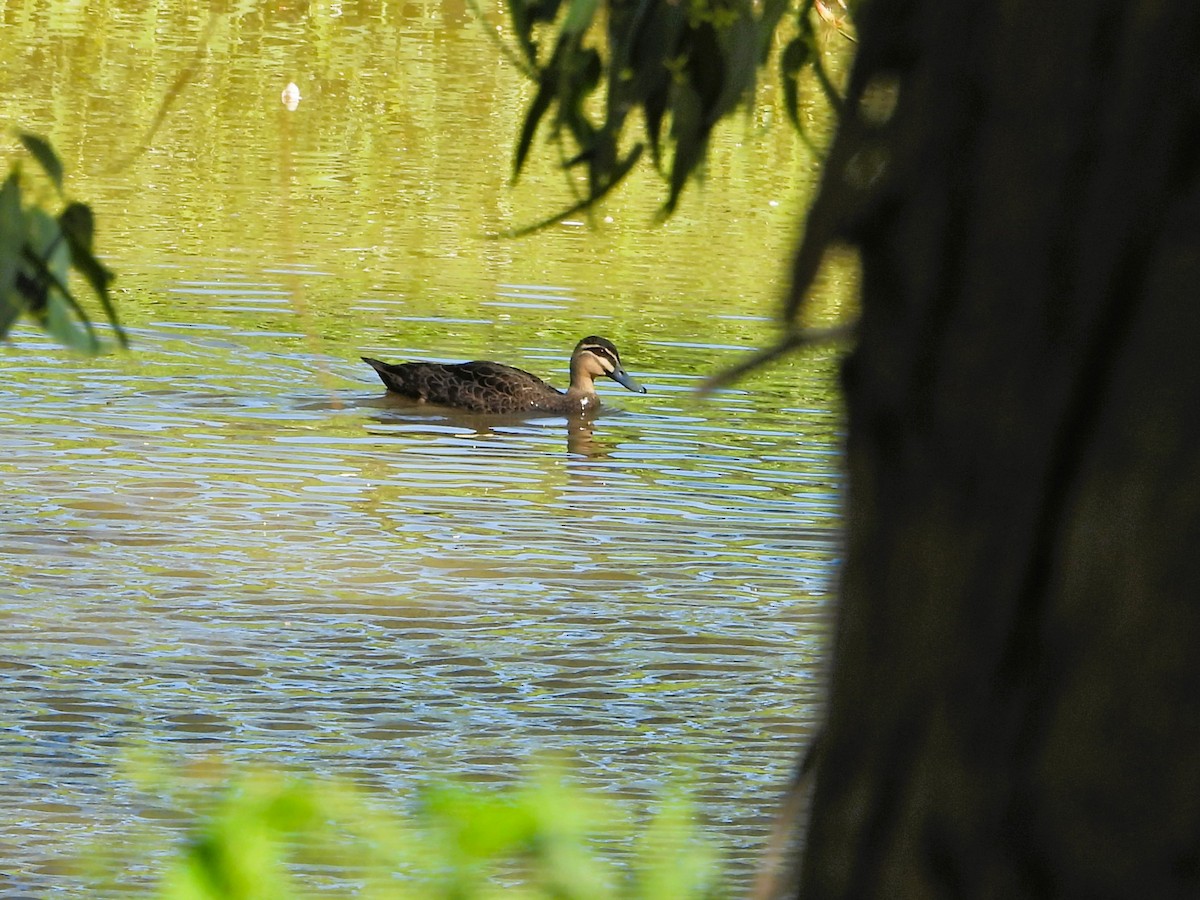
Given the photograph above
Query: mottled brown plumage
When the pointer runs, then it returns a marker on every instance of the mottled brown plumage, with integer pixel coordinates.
(488, 387)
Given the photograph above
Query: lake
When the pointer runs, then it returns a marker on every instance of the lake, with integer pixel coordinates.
(231, 541)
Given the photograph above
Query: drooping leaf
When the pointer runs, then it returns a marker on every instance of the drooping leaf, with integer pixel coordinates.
(41, 150)
(740, 50)
(706, 70)
(772, 12)
(687, 132)
(566, 81)
(12, 238)
(579, 80)
(653, 40)
(655, 108)
(522, 29)
(797, 55)
(622, 169)
(49, 244)
(525, 15)
(78, 225)
(48, 257)
(686, 62)
(625, 166)
(656, 41)
(38, 251)
(579, 16)
(537, 110)
(10, 311)
(62, 323)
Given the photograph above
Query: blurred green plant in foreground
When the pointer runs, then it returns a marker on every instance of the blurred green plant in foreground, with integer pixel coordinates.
(262, 835)
(38, 251)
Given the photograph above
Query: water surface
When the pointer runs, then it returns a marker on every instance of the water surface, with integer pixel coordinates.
(231, 540)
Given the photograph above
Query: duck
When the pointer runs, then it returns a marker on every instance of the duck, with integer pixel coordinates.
(491, 387)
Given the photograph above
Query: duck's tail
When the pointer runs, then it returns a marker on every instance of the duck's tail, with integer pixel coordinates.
(387, 373)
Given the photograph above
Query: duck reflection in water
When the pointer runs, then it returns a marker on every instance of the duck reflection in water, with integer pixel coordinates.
(392, 411)
(489, 387)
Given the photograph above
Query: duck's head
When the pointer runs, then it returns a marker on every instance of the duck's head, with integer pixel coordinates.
(595, 357)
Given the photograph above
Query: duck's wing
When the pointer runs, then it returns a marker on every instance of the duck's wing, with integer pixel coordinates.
(492, 387)
(478, 386)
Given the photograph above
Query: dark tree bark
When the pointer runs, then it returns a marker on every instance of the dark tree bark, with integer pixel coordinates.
(1014, 705)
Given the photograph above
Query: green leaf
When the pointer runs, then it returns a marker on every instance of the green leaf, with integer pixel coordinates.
(48, 242)
(48, 254)
(12, 238)
(579, 16)
(10, 311)
(61, 322)
(41, 150)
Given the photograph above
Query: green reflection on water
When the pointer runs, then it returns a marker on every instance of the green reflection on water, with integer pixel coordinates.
(391, 176)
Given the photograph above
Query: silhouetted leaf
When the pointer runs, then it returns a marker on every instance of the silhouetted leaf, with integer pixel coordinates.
(580, 79)
(78, 223)
(740, 50)
(772, 12)
(691, 63)
(41, 150)
(537, 109)
(619, 173)
(525, 15)
(797, 54)
(570, 76)
(655, 107)
(687, 131)
(78, 226)
(705, 68)
(655, 42)
(624, 167)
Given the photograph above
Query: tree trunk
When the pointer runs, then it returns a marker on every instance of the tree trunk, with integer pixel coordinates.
(1014, 706)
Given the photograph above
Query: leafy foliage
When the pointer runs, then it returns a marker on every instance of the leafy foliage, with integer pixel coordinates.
(684, 64)
(262, 835)
(38, 251)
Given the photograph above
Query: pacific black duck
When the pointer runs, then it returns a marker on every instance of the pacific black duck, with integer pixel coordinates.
(488, 387)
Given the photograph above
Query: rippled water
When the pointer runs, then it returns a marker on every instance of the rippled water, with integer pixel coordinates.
(232, 541)
(217, 546)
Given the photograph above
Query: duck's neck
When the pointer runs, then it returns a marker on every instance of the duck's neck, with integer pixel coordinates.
(583, 384)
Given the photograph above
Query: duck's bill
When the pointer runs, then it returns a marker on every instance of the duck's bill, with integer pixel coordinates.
(621, 377)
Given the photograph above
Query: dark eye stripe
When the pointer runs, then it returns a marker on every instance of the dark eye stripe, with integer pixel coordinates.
(605, 352)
